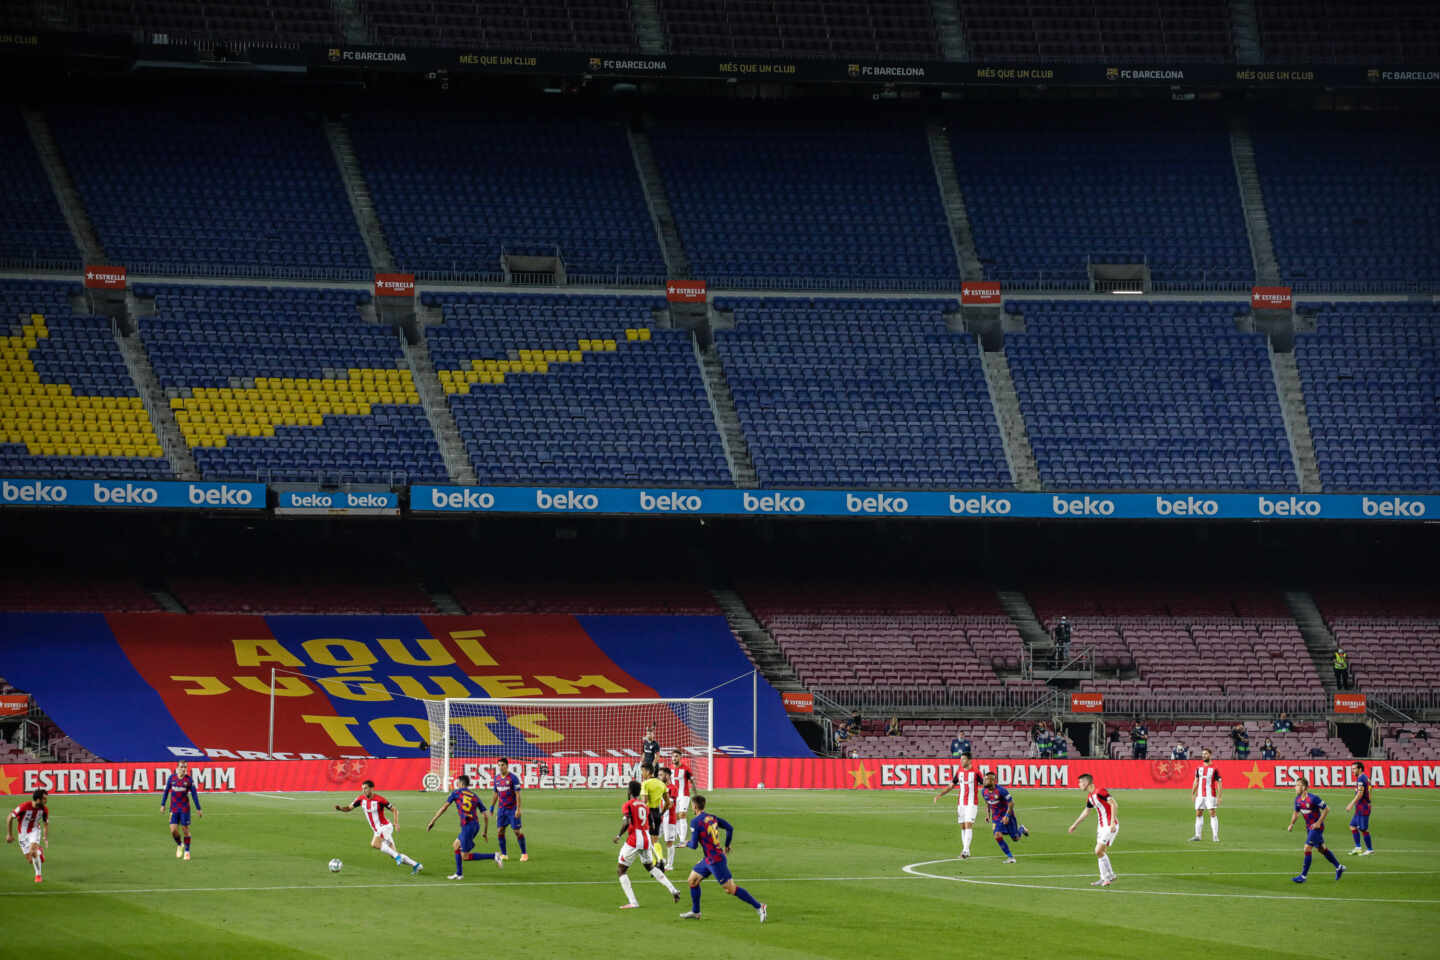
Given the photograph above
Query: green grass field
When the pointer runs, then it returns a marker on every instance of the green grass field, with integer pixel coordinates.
(831, 865)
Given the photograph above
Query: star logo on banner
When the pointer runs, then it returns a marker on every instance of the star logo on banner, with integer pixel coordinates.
(5, 782)
(1256, 776)
(862, 775)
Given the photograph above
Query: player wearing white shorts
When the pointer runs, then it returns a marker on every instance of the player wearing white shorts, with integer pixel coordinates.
(1206, 791)
(966, 783)
(33, 820)
(1107, 826)
(670, 820)
(382, 827)
(684, 781)
(635, 829)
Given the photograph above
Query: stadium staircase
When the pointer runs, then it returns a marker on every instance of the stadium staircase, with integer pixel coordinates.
(953, 201)
(352, 20)
(157, 405)
(947, 27)
(649, 32)
(86, 239)
(1017, 607)
(1319, 641)
(727, 421)
(361, 203)
(437, 410)
(445, 601)
(1245, 31)
(1257, 222)
(166, 600)
(677, 263)
(1297, 420)
(1018, 453)
(764, 652)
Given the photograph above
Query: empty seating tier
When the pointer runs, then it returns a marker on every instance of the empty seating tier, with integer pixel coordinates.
(1349, 31)
(209, 193)
(574, 389)
(288, 385)
(454, 194)
(1148, 396)
(802, 28)
(1113, 31)
(1352, 206)
(860, 393)
(590, 25)
(68, 407)
(778, 207)
(1371, 376)
(35, 229)
(1044, 203)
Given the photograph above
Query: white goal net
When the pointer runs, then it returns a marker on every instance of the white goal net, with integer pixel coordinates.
(565, 743)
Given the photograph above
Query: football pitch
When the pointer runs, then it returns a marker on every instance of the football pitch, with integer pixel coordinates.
(845, 874)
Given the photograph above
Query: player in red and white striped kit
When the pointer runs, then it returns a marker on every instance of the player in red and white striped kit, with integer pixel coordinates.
(1206, 791)
(375, 808)
(635, 830)
(966, 783)
(33, 818)
(684, 780)
(1107, 825)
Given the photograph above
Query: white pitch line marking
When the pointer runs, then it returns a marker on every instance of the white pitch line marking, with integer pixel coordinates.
(911, 869)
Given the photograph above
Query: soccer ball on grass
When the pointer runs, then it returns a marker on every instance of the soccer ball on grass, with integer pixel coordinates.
(335, 865)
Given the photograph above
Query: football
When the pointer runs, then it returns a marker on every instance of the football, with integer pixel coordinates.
(335, 865)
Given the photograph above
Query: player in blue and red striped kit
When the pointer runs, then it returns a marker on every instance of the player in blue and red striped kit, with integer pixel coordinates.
(1002, 815)
(179, 791)
(1360, 803)
(468, 806)
(705, 833)
(1315, 812)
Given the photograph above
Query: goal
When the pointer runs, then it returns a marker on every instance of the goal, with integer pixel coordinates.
(579, 743)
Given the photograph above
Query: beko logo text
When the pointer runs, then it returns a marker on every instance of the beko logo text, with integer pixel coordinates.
(1185, 507)
(672, 501)
(1082, 507)
(773, 503)
(880, 503)
(123, 493)
(221, 496)
(566, 500)
(1393, 507)
(980, 506)
(461, 500)
(37, 492)
(1288, 507)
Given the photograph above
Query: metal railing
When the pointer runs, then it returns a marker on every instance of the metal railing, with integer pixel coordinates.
(1011, 702)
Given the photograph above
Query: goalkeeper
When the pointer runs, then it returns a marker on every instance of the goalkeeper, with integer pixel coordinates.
(657, 799)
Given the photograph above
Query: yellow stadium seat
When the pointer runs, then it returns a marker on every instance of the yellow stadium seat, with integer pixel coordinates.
(609, 346)
(644, 333)
(630, 334)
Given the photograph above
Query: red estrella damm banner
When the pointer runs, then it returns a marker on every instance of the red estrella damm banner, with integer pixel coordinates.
(1270, 298)
(685, 291)
(1087, 703)
(798, 702)
(394, 284)
(104, 278)
(14, 703)
(782, 773)
(1349, 703)
(980, 293)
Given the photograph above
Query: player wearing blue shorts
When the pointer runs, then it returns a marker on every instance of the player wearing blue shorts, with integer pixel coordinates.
(1314, 811)
(179, 791)
(468, 806)
(506, 804)
(1003, 821)
(705, 834)
(1360, 803)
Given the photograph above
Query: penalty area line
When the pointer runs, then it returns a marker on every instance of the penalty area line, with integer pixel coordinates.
(913, 870)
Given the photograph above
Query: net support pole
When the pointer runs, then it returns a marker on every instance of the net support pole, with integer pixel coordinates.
(754, 713)
(270, 747)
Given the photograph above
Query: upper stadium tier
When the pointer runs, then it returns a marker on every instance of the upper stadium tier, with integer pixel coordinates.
(1110, 31)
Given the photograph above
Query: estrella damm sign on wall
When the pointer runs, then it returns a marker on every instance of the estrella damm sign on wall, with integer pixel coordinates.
(151, 686)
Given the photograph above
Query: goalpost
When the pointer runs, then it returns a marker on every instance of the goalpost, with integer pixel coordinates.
(582, 743)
